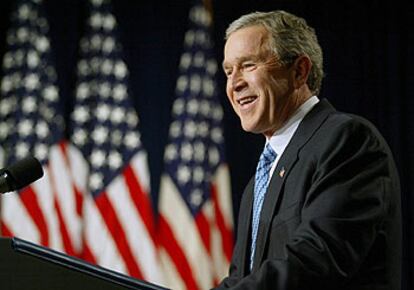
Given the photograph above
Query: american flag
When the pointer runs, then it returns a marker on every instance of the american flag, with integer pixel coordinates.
(196, 228)
(118, 221)
(31, 123)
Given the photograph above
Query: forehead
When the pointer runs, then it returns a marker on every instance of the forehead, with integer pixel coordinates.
(245, 42)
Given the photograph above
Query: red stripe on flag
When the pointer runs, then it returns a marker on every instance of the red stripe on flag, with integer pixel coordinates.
(118, 234)
(5, 231)
(226, 233)
(78, 196)
(67, 243)
(141, 201)
(204, 229)
(176, 254)
(87, 253)
(29, 199)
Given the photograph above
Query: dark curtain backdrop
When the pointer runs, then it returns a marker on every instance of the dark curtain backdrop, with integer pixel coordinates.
(368, 48)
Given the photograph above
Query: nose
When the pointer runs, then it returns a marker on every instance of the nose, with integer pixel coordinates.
(237, 81)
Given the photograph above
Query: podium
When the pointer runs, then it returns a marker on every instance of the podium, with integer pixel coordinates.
(24, 265)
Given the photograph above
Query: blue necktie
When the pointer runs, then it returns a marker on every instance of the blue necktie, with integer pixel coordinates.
(260, 186)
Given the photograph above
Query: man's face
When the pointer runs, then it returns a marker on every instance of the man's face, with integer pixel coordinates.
(258, 87)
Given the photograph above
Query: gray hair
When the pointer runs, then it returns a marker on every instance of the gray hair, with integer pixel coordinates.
(291, 37)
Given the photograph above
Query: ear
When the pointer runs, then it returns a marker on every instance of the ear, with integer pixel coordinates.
(301, 70)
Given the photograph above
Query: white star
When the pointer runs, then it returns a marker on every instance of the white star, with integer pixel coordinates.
(185, 61)
(82, 91)
(107, 67)
(8, 60)
(96, 42)
(186, 151)
(182, 83)
(117, 115)
(199, 151)
(105, 90)
(131, 140)
(4, 129)
(29, 104)
(95, 20)
(22, 150)
(96, 181)
(201, 38)
(183, 174)
(115, 160)
(192, 107)
(198, 175)
(79, 137)
(95, 64)
(100, 134)
(175, 129)
(211, 66)
(42, 43)
(24, 12)
(213, 156)
(25, 127)
(203, 128)
(51, 93)
(22, 34)
(178, 107)
(196, 197)
(132, 119)
(199, 59)
(195, 84)
(97, 2)
(42, 130)
(83, 68)
(18, 58)
(31, 82)
(205, 108)
(119, 92)
(108, 44)
(189, 37)
(33, 59)
(6, 85)
(6, 106)
(120, 69)
(116, 137)
(217, 135)
(218, 113)
(97, 158)
(190, 129)
(109, 22)
(41, 151)
(208, 86)
(81, 114)
(103, 112)
(170, 152)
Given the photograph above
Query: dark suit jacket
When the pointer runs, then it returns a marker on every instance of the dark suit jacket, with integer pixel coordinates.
(331, 216)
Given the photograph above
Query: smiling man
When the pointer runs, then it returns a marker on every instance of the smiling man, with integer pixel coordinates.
(323, 209)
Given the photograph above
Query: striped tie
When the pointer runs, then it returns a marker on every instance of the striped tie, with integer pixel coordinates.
(260, 187)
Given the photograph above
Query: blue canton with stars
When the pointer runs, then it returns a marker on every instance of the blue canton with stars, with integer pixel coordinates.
(30, 111)
(104, 121)
(196, 145)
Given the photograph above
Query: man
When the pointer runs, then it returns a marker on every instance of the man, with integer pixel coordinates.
(323, 210)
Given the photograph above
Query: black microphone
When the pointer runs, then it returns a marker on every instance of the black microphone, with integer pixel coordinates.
(20, 174)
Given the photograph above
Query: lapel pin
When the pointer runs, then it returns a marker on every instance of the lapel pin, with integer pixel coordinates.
(282, 172)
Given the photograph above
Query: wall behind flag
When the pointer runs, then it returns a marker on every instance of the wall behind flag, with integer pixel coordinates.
(368, 49)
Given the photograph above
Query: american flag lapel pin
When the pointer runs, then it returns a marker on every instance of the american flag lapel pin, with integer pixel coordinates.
(282, 172)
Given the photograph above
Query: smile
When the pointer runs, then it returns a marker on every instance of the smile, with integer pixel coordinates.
(246, 101)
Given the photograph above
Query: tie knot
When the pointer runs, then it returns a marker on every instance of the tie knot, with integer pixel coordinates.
(268, 154)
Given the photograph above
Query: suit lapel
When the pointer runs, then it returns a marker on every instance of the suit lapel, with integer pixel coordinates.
(305, 131)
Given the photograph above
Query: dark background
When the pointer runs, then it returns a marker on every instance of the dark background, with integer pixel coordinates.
(368, 48)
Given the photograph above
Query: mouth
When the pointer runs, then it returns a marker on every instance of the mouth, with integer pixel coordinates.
(246, 102)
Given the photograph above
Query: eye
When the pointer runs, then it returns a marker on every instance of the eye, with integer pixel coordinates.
(228, 72)
(248, 66)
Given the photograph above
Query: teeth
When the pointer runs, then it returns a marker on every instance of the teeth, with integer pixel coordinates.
(246, 100)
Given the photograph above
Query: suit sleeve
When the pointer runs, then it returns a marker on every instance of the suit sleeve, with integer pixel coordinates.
(345, 209)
